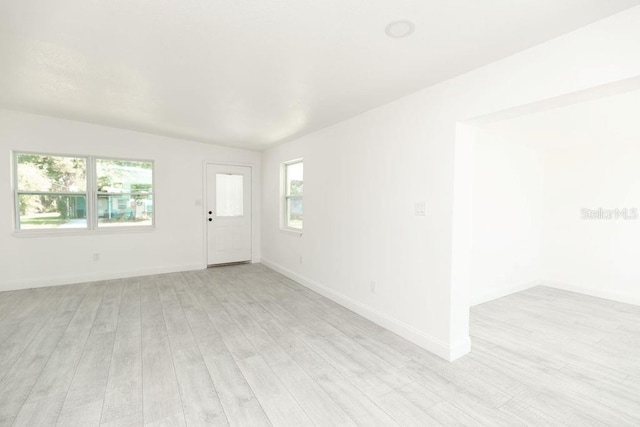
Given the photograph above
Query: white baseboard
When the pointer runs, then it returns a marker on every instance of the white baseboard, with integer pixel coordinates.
(502, 292)
(598, 293)
(68, 280)
(442, 349)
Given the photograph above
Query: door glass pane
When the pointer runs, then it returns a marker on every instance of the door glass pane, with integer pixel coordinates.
(229, 195)
(52, 211)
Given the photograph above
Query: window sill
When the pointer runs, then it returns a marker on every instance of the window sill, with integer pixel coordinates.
(85, 232)
(291, 231)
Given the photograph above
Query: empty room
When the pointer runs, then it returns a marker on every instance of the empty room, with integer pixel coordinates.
(286, 213)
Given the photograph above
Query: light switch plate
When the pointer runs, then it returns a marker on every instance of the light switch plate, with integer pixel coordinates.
(420, 209)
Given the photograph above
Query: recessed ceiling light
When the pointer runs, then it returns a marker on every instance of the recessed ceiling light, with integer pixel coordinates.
(399, 29)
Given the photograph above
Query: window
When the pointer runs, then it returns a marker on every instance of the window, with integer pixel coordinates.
(125, 192)
(51, 191)
(81, 192)
(293, 173)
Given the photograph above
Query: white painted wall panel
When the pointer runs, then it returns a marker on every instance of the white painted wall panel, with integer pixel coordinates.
(177, 243)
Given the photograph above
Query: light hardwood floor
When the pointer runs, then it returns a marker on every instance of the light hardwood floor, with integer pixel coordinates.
(246, 346)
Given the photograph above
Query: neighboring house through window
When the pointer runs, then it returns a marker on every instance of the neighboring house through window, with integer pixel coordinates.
(125, 192)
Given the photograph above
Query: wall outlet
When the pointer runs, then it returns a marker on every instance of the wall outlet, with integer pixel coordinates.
(300, 260)
(372, 287)
(420, 209)
(96, 256)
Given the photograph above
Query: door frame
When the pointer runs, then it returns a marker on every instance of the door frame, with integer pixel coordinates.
(204, 232)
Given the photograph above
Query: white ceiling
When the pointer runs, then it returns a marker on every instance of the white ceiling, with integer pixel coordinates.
(251, 73)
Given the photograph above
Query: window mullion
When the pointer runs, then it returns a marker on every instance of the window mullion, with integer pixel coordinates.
(92, 217)
(51, 193)
(16, 208)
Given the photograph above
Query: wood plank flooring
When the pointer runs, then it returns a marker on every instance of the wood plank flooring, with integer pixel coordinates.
(246, 346)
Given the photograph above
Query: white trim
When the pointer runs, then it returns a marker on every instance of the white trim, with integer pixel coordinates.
(429, 343)
(459, 349)
(92, 195)
(502, 292)
(66, 232)
(68, 280)
(291, 231)
(598, 293)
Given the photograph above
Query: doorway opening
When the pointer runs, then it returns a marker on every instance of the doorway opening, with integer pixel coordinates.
(545, 195)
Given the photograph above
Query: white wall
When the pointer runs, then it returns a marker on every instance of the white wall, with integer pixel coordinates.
(596, 257)
(176, 244)
(363, 176)
(508, 177)
(361, 179)
(591, 155)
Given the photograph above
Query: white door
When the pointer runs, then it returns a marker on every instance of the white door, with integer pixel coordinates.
(228, 214)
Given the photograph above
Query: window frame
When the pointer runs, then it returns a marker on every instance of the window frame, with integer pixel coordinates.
(285, 197)
(91, 196)
(96, 194)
